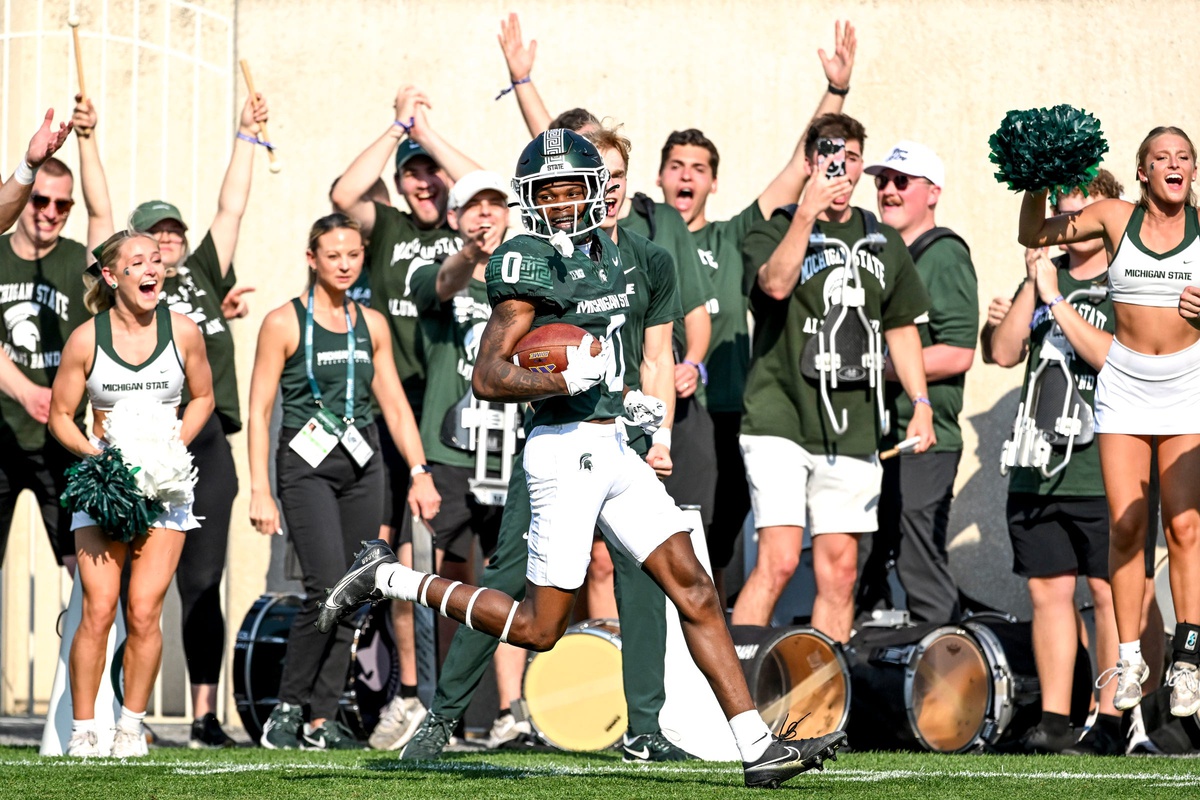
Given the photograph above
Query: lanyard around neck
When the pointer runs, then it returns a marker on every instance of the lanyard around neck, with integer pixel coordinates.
(308, 358)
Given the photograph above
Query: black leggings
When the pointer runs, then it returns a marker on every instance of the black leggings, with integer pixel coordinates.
(328, 511)
(202, 562)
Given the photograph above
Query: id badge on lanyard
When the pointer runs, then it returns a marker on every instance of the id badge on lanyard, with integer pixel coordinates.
(325, 430)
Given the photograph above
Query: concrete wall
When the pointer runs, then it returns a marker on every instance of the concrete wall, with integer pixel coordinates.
(747, 74)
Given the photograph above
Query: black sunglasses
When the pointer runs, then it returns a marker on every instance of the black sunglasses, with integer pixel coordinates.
(41, 202)
(900, 181)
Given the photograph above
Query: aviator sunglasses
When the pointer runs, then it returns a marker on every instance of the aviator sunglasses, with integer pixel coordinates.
(41, 202)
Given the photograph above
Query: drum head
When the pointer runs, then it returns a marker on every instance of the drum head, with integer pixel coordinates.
(802, 676)
(950, 692)
(374, 671)
(574, 692)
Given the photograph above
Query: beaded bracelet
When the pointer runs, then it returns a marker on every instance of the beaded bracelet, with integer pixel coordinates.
(513, 86)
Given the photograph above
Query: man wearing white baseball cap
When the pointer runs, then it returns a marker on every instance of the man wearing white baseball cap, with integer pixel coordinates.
(450, 296)
(914, 506)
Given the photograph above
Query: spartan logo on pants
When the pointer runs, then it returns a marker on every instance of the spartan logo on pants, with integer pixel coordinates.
(585, 462)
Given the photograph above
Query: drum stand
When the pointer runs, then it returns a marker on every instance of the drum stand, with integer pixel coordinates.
(1030, 446)
(498, 428)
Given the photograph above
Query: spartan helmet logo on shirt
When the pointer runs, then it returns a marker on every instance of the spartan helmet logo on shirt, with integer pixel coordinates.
(413, 266)
(832, 290)
(21, 320)
(471, 341)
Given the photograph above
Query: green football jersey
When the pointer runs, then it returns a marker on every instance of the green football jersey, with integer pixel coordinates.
(197, 290)
(949, 277)
(396, 249)
(41, 303)
(780, 401)
(579, 290)
(720, 247)
(451, 331)
(1080, 478)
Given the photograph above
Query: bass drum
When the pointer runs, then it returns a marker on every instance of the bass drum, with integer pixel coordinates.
(573, 693)
(796, 675)
(258, 653)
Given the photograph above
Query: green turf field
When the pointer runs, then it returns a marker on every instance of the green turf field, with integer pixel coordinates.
(254, 773)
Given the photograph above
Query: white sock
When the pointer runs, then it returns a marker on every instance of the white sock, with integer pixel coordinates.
(752, 735)
(1130, 651)
(83, 725)
(131, 720)
(398, 582)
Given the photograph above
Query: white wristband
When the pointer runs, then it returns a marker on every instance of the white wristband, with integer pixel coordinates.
(662, 436)
(25, 173)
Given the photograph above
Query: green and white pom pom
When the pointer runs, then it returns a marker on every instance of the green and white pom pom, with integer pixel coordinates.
(105, 489)
(1056, 149)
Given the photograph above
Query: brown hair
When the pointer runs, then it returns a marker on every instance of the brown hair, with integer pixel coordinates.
(55, 168)
(692, 137)
(833, 126)
(1105, 184)
(1144, 150)
(326, 224)
(98, 295)
(574, 119)
(606, 138)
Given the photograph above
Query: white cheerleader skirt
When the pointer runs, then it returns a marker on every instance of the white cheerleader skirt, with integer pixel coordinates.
(1149, 395)
(178, 518)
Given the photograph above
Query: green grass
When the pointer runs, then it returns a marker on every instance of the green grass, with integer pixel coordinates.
(251, 773)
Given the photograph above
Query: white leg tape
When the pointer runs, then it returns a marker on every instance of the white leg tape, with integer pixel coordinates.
(508, 623)
(425, 591)
(446, 596)
(470, 605)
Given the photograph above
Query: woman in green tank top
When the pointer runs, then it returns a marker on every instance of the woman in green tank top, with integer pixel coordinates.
(330, 357)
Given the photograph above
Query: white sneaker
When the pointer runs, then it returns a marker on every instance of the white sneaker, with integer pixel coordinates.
(1184, 680)
(1130, 677)
(84, 744)
(398, 721)
(507, 728)
(128, 744)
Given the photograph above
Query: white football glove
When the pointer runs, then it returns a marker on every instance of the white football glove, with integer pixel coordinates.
(585, 370)
(645, 411)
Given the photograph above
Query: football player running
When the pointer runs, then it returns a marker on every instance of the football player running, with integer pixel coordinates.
(579, 469)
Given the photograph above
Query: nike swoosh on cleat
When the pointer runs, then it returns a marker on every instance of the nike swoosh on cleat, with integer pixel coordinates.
(794, 756)
(643, 753)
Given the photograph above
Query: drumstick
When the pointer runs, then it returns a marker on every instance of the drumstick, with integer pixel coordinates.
(73, 21)
(903, 447)
(276, 164)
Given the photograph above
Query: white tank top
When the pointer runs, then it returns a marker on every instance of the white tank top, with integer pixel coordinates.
(111, 378)
(1142, 278)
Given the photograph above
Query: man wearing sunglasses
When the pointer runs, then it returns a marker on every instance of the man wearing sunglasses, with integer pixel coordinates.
(914, 507)
(41, 303)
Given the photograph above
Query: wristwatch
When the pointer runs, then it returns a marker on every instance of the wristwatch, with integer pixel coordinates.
(420, 469)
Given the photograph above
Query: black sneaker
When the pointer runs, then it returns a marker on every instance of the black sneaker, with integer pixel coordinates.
(330, 736)
(357, 586)
(282, 729)
(1098, 741)
(430, 739)
(1040, 740)
(207, 734)
(787, 757)
(649, 747)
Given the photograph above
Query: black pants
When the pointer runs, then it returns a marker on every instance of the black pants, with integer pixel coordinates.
(914, 514)
(328, 511)
(732, 493)
(202, 562)
(40, 471)
(693, 481)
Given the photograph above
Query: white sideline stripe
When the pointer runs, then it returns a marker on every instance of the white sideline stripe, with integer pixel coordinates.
(846, 775)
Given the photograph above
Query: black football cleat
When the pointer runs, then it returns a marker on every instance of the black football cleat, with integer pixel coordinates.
(356, 587)
(786, 758)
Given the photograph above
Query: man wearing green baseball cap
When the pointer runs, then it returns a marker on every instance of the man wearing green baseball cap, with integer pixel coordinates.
(199, 283)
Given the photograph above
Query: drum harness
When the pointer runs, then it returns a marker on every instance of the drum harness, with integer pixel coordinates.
(847, 325)
(1053, 414)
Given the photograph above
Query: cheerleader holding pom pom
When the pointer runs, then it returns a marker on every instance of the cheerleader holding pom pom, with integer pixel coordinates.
(132, 493)
(1149, 386)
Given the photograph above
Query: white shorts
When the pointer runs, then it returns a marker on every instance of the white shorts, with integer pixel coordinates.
(582, 474)
(1143, 394)
(178, 518)
(822, 493)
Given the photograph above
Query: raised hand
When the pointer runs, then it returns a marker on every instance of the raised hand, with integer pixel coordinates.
(254, 115)
(83, 119)
(841, 64)
(409, 101)
(46, 141)
(517, 55)
(234, 306)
